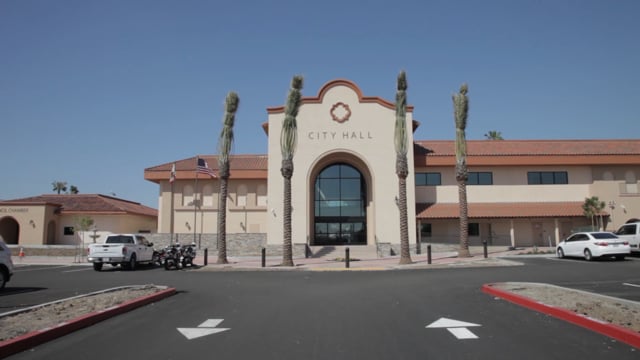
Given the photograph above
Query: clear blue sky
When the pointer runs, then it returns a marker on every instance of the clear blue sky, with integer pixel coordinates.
(92, 92)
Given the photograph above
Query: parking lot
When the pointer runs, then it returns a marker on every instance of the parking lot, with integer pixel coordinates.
(305, 314)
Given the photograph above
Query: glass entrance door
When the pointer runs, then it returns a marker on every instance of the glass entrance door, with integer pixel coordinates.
(340, 206)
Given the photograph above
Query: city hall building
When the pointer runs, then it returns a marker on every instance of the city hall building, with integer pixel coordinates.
(345, 188)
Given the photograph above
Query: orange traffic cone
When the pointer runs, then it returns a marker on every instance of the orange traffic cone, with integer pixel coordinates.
(21, 254)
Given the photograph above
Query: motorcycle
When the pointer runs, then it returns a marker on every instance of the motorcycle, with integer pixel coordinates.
(158, 257)
(188, 254)
(172, 257)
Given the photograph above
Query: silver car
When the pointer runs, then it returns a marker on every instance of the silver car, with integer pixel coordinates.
(6, 265)
(593, 244)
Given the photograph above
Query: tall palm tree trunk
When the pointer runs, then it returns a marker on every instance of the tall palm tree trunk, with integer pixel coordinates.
(464, 219)
(402, 168)
(222, 214)
(460, 110)
(287, 250)
(288, 143)
(224, 148)
(405, 253)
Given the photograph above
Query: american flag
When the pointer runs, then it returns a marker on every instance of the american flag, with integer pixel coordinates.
(203, 168)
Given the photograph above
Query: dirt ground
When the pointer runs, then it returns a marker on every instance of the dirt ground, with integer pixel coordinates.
(620, 312)
(616, 311)
(42, 317)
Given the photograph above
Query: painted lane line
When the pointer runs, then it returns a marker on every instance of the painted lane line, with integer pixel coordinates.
(70, 271)
(18, 268)
(633, 285)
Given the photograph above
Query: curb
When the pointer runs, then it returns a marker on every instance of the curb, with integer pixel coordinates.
(613, 331)
(35, 338)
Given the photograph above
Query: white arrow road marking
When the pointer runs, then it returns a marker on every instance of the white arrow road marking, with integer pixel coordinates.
(206, 328)
(462, 333)
(456, 327)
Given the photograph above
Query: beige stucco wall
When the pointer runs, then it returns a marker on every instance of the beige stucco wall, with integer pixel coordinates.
(509, 185)
(364, 140)
(30, 219)
(41, 225)
(615, 186)
(247, 216)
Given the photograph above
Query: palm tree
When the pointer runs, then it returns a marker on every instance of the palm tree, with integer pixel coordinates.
(402, 168)
(224, 148)
(591, 208)
(460, 110)
(59, 186)
(288, 142)
(493, 135)
(74, 189)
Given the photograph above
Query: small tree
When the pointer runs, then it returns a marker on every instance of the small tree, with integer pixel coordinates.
(82, 224)
(59, 186)
(592, 207)
(493, 135)
(73, 189)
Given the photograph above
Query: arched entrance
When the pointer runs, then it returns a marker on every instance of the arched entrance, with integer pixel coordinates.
(9, 230)
(339, 206)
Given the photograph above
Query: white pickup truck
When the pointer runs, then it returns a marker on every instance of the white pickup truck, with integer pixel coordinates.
(127, 250)
(631, 233)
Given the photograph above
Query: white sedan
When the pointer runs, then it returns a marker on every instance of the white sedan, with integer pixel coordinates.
(592, 245)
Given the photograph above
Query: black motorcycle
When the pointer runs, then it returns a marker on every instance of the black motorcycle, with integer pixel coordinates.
(172, 257)
(188, 254)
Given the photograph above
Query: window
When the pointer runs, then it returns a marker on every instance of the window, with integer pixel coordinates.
(68, 230)
(207, 195)
(187, 196)
(262, 195)
(428, 179)
(241, 195)
(474, 229)
(425, 230)
(627, 230)
(547, 177)
(480, 178)
(340, 206)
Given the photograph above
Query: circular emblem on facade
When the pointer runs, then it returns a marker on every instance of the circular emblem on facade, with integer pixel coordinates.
(340, 112)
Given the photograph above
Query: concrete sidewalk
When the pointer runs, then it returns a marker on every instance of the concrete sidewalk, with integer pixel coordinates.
(443, 258)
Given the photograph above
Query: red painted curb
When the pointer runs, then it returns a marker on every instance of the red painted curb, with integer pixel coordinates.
(35, 338)
(611, 330)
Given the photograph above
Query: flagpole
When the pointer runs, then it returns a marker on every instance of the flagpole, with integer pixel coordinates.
(195, 202)
(171, 220)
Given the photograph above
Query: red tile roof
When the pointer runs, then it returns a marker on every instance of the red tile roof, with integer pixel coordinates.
(87, 204)
(442, 153)
(241, 167)
(502, 210)
(530, 152)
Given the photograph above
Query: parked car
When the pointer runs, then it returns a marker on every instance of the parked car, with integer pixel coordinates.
(631, 233)
(6, 264)
(127, 250)
(593, 244)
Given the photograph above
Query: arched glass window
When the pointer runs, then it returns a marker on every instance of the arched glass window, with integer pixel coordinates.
(340, 200)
